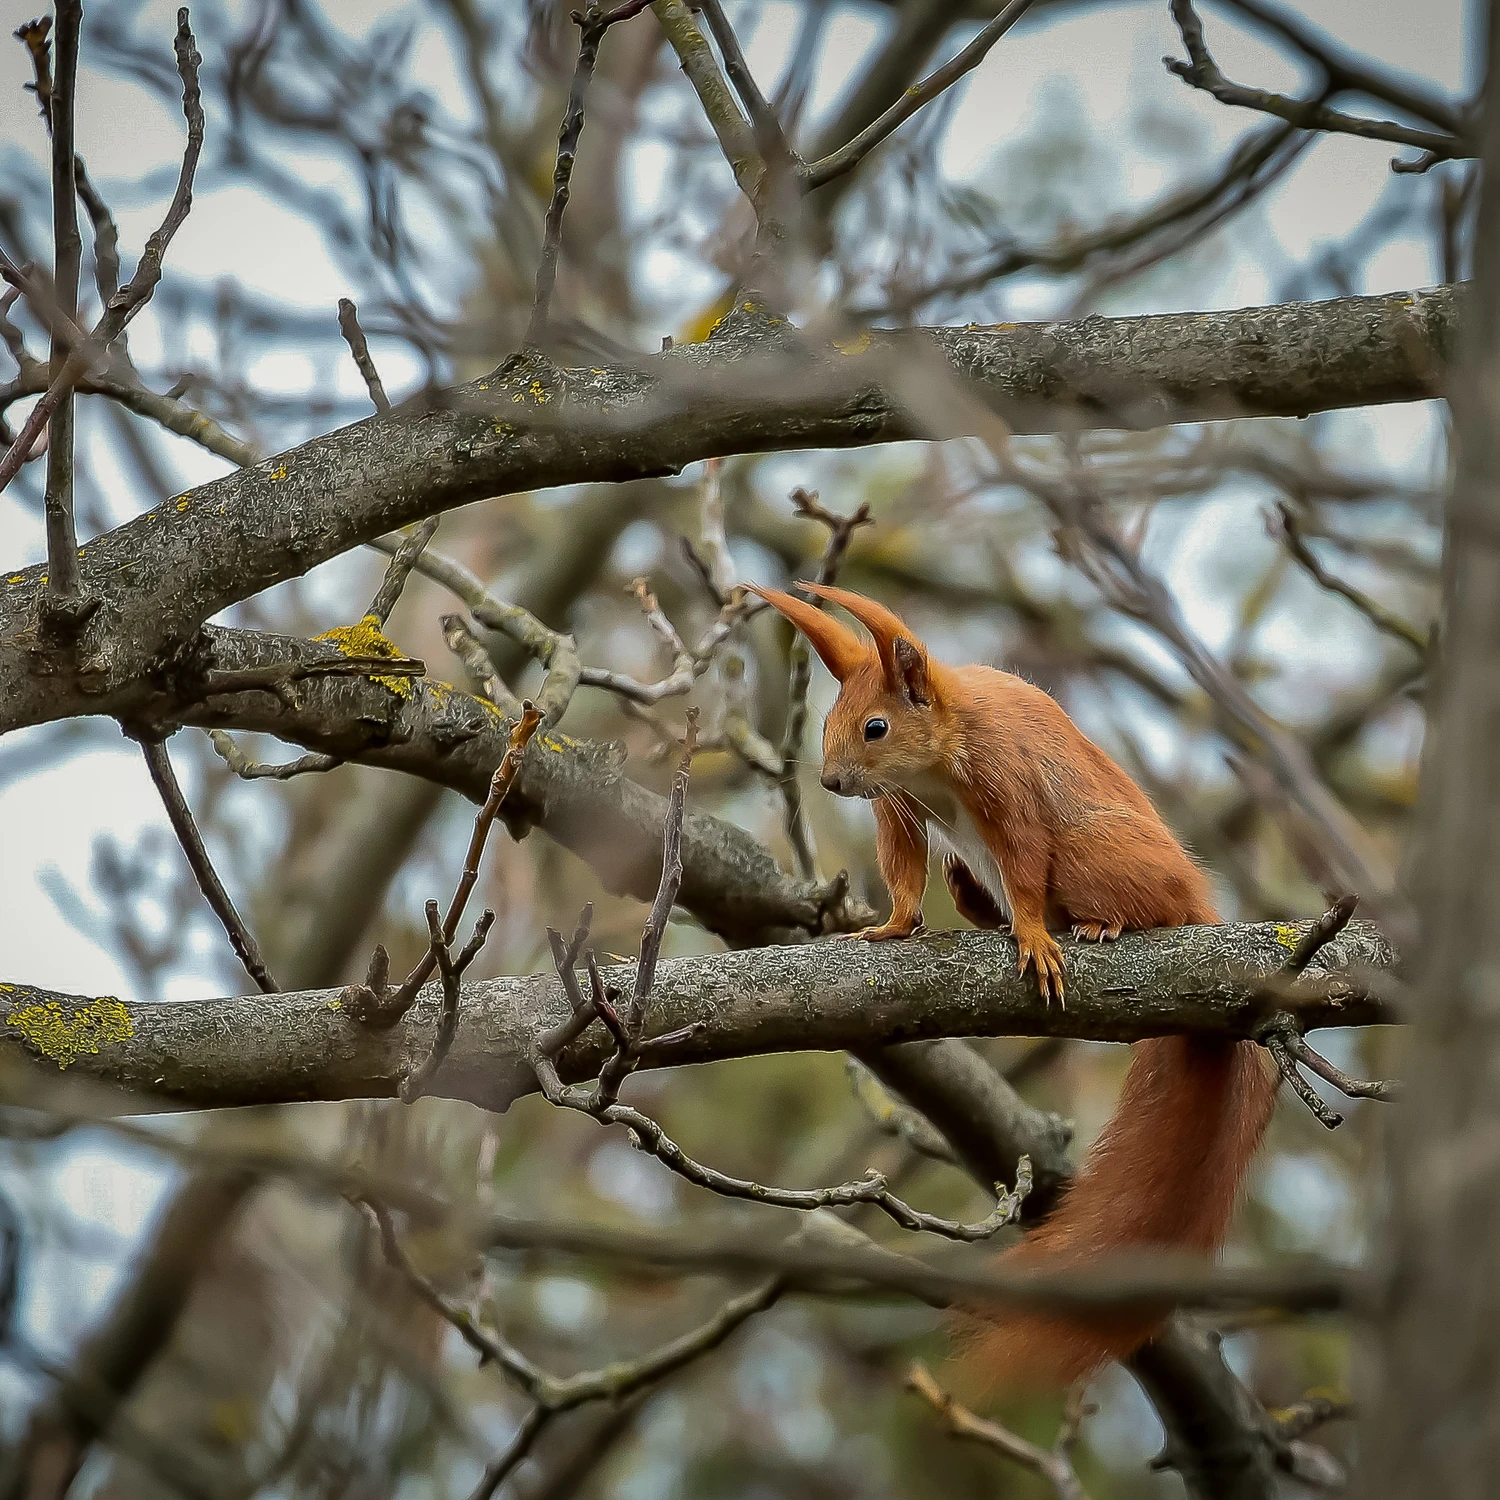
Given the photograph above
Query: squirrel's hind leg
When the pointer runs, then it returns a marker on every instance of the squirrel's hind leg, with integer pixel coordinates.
(974, 902)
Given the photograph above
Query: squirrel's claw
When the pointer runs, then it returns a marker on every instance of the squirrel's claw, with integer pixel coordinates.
(1097, 932)
(887, 932)
(1042, 953)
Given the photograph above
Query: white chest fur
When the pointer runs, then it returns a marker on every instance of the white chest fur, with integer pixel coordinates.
(951, 830)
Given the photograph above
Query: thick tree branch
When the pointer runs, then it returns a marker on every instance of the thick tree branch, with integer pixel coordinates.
(744, 390)
(827, 996)
(575, 790)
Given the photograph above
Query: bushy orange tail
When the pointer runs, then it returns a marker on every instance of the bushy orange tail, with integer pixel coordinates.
(1165, 1173)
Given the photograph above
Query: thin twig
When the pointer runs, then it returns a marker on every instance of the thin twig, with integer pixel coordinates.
(159, 763)
(1202, 72)
(768, 133)
(554, 1394)
(735, 728)
(671, 882)
(872, 1189)
(359, 347)
(34, 36)
(557, 652)
(280, 677)
(1322, 932)
(129, 300)
(373, 1002)
(735, 135)
(841, 531)
(1052, 1464)
(688, 664)
(1307, 1415)
(469, 649)
(847, 157)
(1356, 1088)
(451, 969)
(565, 961)
(1284, 1041)
(1277, 1045)
(253, 770)
(14, 339)
(501, 1466)
(1357, 75)
(622, 1060)
(592, 24)
(62, 597)
(400, 569)
(1287, 531)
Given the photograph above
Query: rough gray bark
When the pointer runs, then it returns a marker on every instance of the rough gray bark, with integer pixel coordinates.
(1219, 1438)
(988, 1124)
(751, 387)
(325, 906)
(846, 996)
(575, 790)
(1437, 1427)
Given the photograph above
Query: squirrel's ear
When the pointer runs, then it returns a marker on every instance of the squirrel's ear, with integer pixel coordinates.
(842, 651)
(885, 625)
(911, 679)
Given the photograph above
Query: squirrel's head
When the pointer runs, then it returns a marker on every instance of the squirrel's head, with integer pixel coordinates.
(884, 729)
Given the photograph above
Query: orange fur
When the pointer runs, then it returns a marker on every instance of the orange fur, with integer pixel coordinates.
(1042, 823)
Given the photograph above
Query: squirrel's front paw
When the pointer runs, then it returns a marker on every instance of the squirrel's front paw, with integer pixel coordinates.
(1040, 951)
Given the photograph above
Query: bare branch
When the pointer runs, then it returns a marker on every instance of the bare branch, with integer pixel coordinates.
(768, 134)
(469, 649)
(734, 728)
(1356, 74)
(555, 1394)
(1355, 1088)
(254, 770)
(1053, 1464)
(847, 157)
(402, 563)
(63, 601)
(371, 1003)
(735, 136)
(557, 652)
(1322, 932)
(828, 1262)
(592, 24)
(1276, 1045)
(1307, 1415)
(1307, 114)
(279, 678)
(359, 347)
(1207, 981)
(1132, 371)
(451, 971)
(159, 763)
(841, 531)
(1286, 530)
(129, 300)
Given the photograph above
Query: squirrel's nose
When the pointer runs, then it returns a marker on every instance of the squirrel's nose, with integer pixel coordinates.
(831, 782)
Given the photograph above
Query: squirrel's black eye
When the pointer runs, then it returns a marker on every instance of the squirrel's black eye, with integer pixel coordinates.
(875, 729)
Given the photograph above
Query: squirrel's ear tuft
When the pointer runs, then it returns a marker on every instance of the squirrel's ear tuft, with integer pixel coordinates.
(841, 650)
(885, 625)
(911, 682)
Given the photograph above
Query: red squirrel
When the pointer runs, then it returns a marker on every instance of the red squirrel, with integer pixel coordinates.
(1043, 832)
